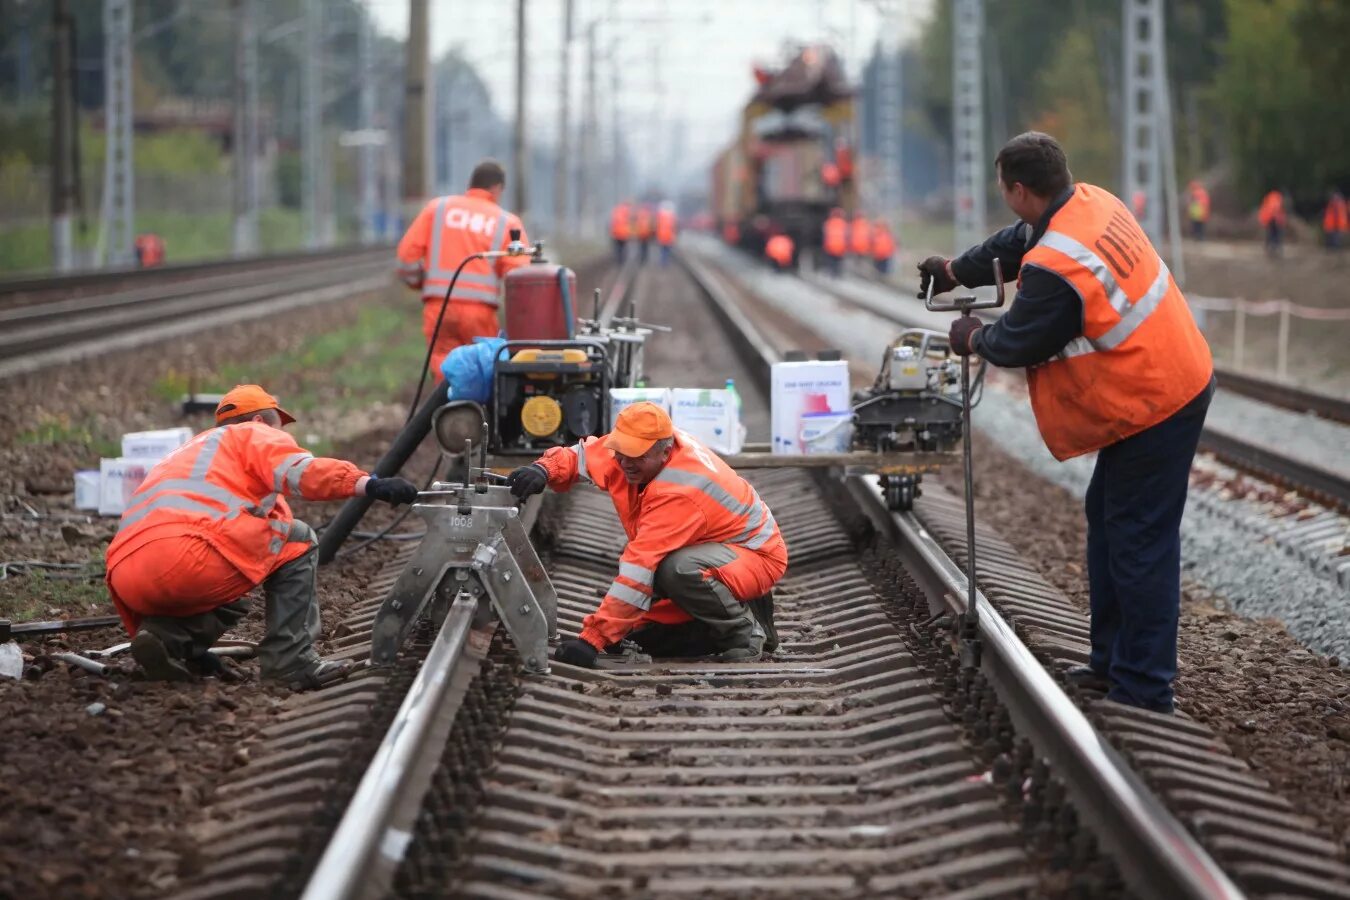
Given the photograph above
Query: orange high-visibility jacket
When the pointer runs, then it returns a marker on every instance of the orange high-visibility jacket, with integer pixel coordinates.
(621, 222)
(860, 236)
(883, 242)
(697, 499)
(1199, 207)
(449, 229)
(1140, 357)
(836, 236)
(642, 224)
(1337, 216)
(227, 486)
(779, 249)
(665, 227)
(1272, 209)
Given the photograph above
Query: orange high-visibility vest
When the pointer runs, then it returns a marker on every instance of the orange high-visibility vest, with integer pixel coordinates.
(227, 486)
(1140, 357)
(1199, 208)
(1272, 209)
(665, 227)
(883, 242)
(642, 226)
(697, 499)
(446, 231)
(860, 236)
(836, 236)
(620, 222)
(779, 249)
(1337, 217)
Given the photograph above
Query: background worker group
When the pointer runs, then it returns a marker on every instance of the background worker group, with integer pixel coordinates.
(641, 224)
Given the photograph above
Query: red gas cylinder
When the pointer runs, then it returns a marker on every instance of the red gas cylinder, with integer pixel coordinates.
(541, 303)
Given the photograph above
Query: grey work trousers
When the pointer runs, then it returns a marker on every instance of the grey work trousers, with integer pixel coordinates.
(292, 617)
(729, 623)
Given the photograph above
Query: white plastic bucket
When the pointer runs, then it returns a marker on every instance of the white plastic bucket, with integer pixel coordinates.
(830, 432)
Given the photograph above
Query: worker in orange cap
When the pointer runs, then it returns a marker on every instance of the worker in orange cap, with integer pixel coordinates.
(703, 552)
(209, 524)
(445, 232)
(835, 242)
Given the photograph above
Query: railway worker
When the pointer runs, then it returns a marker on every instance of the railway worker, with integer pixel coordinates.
(883, 246)
(620, 228)
(447, 230)
(1273, 219)
(835, 242)
(209, 524)
(643, 227)
(666, 225)
(149, 250)
(1115, 364)
(1335, 221)
(860, 237)
(704, 552)
(1197, 209)
(779, 249)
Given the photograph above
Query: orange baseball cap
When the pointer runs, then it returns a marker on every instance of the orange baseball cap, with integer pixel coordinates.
(249, 398)
(638, 427)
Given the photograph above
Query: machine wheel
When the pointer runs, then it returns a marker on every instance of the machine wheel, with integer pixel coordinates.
(900, 491)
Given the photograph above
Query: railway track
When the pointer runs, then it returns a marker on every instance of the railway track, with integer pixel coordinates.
(862, 759)
(36, 335)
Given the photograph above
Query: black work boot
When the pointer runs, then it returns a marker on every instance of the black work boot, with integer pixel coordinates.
(1087, 678)
(762, 608)
(155, 660)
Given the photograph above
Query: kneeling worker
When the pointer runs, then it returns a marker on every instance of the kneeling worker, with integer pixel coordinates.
(703, 553)
(209, 524)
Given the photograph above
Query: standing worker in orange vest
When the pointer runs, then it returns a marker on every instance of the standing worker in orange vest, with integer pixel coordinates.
(704, 552)
(860, 237)
(1272, 218)
(620, 229)
(883, 246)
(149, 250)
(779, 248)
(445, 232)
(209, 524)
(1198, 209)
(1115, 364)
(666, 226)
(835, 242)
(643, 225)
(1335, 221)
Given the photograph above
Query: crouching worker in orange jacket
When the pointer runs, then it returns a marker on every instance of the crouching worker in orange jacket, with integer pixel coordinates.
(210, 523)
(703, 553)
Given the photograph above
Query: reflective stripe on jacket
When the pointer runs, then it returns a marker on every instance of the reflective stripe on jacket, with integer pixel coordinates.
(620, 223)
(665, 227)
(1140, 357)
(696, 499)
(836, 236)
(227, 486)
(446, 231)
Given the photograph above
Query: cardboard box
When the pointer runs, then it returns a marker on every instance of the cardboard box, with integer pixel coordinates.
(711, 416)
(621, 397)
(86, 489)
(118, 480)
(802, 389)
(154, 445)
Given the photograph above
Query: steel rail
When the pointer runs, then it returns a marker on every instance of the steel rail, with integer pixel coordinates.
(1285, 396)
(1155, 853)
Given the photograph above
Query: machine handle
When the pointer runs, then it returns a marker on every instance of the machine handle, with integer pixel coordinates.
(964, 305)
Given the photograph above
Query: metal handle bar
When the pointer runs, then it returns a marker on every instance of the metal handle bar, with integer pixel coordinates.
(964, 305)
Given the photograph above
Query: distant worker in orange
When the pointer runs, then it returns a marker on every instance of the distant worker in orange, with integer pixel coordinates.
(780, 249)
(666, 227)
(731, 233)
(1197, 210)
(860, 236)
(149, 250)
(1272, 217)
(835, 242)
(445, 232)
(883, 246)
(1139, 205)
(696, 577)
(620, 229)
(1335, 221)
(209, 524)
(644, 225)
(830, 176)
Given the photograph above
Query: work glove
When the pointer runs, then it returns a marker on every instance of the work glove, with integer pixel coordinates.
(934, 269)
(527, 480)
(393, 490)
(962, 335)
(576, 652)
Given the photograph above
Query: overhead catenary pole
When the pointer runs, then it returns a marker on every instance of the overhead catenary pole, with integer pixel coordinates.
(117, 234)
(968, 122)
(367, 175)
(519, 149)
(415, 175)
(245, 129)
(63, 184)
(586, 166)
(563, 170)
(311, 121)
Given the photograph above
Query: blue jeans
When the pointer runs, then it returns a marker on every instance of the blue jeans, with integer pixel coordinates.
(1134, 506)
(665, 255)
(618, 251)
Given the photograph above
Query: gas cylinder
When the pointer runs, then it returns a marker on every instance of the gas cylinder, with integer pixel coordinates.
(541, 303)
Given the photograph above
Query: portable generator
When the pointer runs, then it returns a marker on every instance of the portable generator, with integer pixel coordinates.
(548, 394)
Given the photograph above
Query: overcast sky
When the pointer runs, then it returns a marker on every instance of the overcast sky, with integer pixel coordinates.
(683, 62)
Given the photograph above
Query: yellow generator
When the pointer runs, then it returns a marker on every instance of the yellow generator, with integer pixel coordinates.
(548, 394)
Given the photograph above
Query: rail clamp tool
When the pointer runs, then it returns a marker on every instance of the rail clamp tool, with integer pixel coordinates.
(966, 305)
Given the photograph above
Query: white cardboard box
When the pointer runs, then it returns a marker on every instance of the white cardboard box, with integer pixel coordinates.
(154, 445)
(621, 397)
(710, 416)
(86, 489)
(801, 388)
(118, 480)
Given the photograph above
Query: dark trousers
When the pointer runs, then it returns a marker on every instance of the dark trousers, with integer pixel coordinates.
(1134, 506)
(619, 246)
